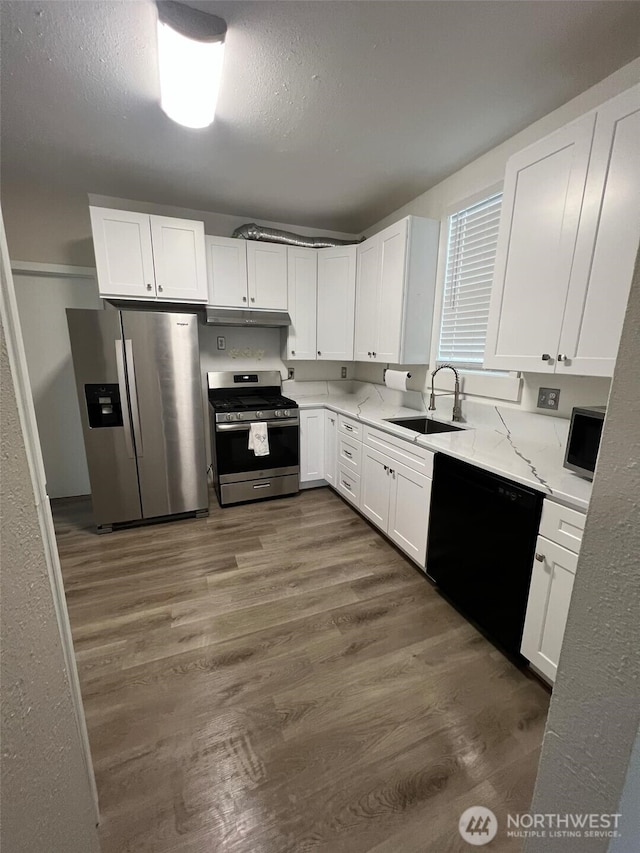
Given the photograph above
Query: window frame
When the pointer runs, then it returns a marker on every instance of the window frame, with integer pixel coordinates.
(503, 385)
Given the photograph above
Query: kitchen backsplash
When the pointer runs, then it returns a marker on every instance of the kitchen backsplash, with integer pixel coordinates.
(259, 348)
(574, 390)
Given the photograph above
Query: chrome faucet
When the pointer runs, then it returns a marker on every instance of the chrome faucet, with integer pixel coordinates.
(457, 411)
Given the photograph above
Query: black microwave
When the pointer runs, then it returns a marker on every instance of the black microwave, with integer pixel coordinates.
(584, 439)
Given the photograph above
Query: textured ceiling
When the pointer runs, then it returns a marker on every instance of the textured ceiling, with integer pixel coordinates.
(331, 114)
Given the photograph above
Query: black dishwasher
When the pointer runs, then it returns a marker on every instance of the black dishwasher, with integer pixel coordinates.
(482, 536)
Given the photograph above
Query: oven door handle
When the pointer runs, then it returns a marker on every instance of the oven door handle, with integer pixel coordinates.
(284, 422)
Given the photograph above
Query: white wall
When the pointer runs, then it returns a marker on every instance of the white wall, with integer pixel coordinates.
(486, 172)
(489, 169)
(42, 303)
(45, 796)
(594, 716)
(629, 807)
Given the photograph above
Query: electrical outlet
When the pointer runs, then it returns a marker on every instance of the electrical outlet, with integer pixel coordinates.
(343, 372)
(291, 373)
(548, 398)
(222, 344)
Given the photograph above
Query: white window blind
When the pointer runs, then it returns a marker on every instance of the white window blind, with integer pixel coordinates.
(471, 254)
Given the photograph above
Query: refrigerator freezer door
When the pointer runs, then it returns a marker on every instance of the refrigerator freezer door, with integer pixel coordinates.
(163, 370)
(98, 359)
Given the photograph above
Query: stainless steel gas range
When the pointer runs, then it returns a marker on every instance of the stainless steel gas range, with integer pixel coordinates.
(236, 401)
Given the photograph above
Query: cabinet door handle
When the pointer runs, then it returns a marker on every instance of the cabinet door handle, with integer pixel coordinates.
(562, 357)
(369, 354)
(546, 356)
(244, 298)
(540, 558)
(293, 352)
(160, 288)
(149, 287)
(386, 467)
(319, 353)
(373, 354)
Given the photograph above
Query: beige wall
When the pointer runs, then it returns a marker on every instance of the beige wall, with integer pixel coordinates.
(595, 710)
(46, 801)
(50, 225)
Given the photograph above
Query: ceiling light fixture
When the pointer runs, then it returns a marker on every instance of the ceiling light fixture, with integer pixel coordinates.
(190, 54)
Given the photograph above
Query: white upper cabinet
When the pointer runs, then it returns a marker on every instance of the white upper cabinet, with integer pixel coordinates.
(321, 289)
(543, 190)
(227, 272)
(367, 287)
(336, 303)
(302, 289)
(607, 242)
(124, 256)
(149, 257)
(179, 258)
(568, 235)
(267, 275)
(395, 287)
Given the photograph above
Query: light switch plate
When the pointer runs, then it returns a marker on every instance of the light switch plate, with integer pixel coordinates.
(222, 344)
(343, 372)
(548, 398)
(290, 373)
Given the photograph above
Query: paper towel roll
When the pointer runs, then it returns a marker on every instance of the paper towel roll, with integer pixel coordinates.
(396, 379)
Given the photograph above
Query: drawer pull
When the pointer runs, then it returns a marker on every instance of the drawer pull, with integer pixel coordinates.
(262, 486)
(346, 485)
(350, 428)
(347, 454)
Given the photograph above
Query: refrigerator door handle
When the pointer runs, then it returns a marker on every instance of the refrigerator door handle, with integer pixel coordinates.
(133, 396)
(126, 423)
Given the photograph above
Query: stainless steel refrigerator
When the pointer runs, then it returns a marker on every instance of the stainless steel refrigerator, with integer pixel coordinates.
(140, 394)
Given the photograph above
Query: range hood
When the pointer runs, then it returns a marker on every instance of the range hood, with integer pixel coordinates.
(242, 317)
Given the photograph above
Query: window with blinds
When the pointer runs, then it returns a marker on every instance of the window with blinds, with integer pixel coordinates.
(471, 254)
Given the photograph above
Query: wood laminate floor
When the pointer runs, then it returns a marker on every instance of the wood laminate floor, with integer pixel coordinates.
(278, 678)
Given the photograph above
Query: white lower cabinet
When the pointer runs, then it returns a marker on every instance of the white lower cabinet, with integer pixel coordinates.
(409, 505)
(376, 488)
(554, 569)
(396, 499)
(312, 445)
(330, 447)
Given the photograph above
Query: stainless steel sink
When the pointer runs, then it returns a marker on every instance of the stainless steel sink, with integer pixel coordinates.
(423, 425)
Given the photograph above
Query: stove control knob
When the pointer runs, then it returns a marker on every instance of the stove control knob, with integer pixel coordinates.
(279, 413)
(229, 417)
(286, 413)
(240, 416)
(259, 414)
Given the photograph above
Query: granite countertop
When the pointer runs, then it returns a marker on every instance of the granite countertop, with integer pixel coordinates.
(523, 446)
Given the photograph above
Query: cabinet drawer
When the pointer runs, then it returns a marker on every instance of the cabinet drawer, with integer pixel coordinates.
(562, 525)
(417, 458)
(349, 484)
(350, 453)
(350, 427)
